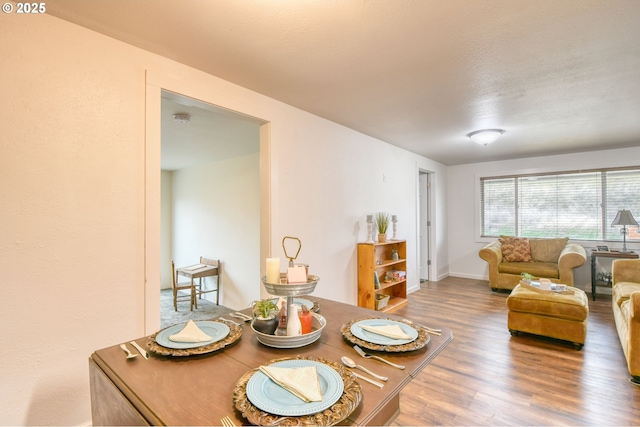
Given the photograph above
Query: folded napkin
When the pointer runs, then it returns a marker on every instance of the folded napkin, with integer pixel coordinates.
(190, 333)
(389, 331)
(302, 382)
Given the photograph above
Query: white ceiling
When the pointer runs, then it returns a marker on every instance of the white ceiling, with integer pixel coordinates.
(559, 76)
(212, 133)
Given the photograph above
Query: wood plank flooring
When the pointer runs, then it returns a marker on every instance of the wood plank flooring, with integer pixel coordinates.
(486, 377)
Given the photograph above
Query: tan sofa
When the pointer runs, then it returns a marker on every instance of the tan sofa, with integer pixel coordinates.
(625, 277)
(553, 259)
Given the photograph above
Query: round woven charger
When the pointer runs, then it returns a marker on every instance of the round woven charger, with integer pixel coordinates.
(348, 402)
(235, 332)
(422, 340)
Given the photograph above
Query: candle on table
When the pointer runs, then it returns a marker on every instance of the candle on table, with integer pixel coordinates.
(305, 320)
(273, 270)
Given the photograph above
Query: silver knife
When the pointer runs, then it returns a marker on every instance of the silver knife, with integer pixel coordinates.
(140, 349)
(369, 380)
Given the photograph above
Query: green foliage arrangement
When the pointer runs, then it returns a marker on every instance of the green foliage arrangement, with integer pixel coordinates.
(382, 222)
(265, 308)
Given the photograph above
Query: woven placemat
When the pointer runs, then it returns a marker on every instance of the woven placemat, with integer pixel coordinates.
(420, 342)
(348, 402)
(235, 332)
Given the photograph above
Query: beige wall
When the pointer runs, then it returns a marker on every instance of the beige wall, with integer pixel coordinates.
(216, 214)
(166, 228)
(76, 202)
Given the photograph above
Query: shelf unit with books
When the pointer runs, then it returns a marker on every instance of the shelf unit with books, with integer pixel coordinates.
(377, 259)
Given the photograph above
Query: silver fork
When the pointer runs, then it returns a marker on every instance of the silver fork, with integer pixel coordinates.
(230, 321)
(241, 316)
(426, 328)
(226, 422)
(362, 353)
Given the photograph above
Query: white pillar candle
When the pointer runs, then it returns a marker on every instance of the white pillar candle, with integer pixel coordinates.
(273, 270)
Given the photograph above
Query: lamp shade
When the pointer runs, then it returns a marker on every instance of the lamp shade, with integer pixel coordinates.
(624, 217)
(485, 136)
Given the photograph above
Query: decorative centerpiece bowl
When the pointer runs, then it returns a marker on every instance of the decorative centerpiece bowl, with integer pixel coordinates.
(279, 341)
(291, 290)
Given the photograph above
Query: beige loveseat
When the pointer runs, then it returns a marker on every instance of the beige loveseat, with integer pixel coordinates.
(553, 259)
(625, 277)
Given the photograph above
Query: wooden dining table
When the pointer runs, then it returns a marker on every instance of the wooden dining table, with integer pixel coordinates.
(198, 390)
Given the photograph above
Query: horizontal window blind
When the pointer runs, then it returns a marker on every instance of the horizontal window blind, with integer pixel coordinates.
(577, 204)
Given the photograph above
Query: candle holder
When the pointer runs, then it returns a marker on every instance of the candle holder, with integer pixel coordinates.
(394, 220)
(369, 229)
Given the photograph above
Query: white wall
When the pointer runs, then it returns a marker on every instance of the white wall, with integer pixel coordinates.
(216, 212)
(463, 241)
(166, 228)
(74, 183)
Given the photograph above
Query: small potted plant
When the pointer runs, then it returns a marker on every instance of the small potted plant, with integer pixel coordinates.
(265, 318)
(526, 277)
(382, 222)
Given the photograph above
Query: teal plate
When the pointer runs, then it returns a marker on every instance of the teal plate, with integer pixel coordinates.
(267, 396)
(371, 337)
(216, 330)
(300, 302)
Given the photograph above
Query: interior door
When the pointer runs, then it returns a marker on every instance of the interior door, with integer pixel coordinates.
(424, 229)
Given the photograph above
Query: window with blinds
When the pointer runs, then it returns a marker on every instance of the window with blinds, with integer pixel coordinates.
(580, 205)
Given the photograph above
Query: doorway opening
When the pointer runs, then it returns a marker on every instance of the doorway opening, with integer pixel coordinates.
(237, 291)
(210, 195)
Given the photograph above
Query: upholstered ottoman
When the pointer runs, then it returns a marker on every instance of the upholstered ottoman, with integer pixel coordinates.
(556, 315)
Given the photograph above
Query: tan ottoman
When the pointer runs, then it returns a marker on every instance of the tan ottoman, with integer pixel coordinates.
(556, 315)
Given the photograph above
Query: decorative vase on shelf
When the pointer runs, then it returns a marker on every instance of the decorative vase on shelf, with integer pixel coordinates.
(382, 238)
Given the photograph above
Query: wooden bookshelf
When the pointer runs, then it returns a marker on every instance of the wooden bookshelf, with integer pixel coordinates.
(377, 258)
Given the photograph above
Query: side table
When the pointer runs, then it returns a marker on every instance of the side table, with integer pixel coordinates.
(601, 254)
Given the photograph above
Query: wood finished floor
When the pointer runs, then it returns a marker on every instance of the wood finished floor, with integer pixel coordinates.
(486, 377)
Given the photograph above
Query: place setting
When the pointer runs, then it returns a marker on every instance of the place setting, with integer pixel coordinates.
(297, 391)
(387, 335)
(194, 337)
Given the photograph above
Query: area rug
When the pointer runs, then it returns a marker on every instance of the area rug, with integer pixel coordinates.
(206, 310)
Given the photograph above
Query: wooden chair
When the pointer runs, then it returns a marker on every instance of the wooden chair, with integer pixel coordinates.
(178, 286)
(216, 273)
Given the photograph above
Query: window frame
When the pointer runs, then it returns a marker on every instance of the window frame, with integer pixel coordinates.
(604, 237)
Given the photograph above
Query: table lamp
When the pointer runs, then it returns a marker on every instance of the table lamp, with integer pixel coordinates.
(624, 218)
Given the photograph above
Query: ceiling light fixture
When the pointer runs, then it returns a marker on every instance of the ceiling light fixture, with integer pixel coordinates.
(182, 117)
(485, 136)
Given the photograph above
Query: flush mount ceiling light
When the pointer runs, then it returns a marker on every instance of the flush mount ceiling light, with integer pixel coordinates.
(485, 136)
(182, 117)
